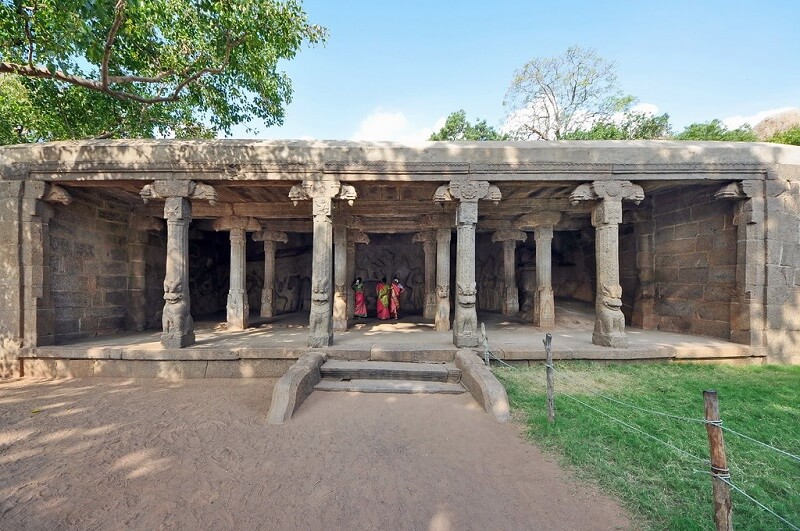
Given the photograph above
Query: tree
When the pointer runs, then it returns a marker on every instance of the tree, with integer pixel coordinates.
(456, 127)
(716, 130)
(146, 68)
(789, 136)
(550, 97)
(629, 125)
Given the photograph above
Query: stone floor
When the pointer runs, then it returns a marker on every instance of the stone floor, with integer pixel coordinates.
(510, 338)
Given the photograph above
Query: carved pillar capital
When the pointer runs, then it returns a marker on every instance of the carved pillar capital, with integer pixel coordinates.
(355, 236)
(537, 219)
(54, 193)
(270, 236)
(322, 189)
(467, 190)
(424, 236)
(179, 188)
(236, 223)
(509, 235)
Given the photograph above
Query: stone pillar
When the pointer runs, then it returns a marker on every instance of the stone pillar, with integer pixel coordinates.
(340, 278)
(354, 236)
(238, 307)
(465, 325)
(428, 240)
(643, 315)
(510, 237)
(544, 315)
(177, 325)
(747, 308)
(270, 239)
(609, 325)
(136, 317)
(442, 316)
(542, 223)
(321, 192)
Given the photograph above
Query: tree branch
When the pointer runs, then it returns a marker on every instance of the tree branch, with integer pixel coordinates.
(119, 13)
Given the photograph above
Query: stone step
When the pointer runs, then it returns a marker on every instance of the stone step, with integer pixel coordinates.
(385, 370)
(390, 386)
(395, 353)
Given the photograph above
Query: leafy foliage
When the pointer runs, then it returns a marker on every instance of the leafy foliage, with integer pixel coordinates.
(716, 130)
(631, 125)
(550, 97)
(790, 136)
(457, 127)
(146, 68)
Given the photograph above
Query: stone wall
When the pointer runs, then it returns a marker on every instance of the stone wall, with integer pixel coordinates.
(782, 271)
(10, 269)
(695, 261)
(89, 267)
(155, 268)
(628, 270)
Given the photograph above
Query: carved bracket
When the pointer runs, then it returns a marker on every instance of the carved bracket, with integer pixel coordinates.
(737, 190)
(174, 188)
(467, 190)
(622, 190)
(322, 189)
(537, 219)
(55, 194)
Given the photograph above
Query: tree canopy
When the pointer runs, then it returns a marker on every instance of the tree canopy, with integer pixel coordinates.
(77, 68)
(550, 97)
(626, 124)
(457, 127)
(716, 130)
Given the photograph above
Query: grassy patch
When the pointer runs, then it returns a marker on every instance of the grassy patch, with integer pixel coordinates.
(656, 481)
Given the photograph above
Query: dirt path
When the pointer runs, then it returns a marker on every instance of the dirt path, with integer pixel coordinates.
(149, 454)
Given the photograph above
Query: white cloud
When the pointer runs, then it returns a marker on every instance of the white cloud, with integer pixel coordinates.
(733, 122)
(393, 126)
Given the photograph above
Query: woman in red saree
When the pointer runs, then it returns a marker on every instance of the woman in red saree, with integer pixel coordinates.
(360, 309)
(383, 289)
(394, 303)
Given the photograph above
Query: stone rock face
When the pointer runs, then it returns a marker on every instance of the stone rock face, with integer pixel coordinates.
(777, 123)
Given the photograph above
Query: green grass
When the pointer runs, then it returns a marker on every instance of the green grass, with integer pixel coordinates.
(658, 484)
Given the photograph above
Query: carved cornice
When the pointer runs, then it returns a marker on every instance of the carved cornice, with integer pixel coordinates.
(175, 188)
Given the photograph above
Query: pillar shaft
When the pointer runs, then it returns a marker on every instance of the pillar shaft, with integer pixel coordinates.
(268, 289)
(350, 277)
(465, 324)
(238, 306)
(609, 327)
(429, 249)
(177, 324)
(511, 296)
(320, 322)
(340, 278)
(544, 304)
(442, 317)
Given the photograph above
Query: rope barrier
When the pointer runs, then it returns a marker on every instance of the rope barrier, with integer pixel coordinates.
(722, 475)
(787, 454)
(727, 480)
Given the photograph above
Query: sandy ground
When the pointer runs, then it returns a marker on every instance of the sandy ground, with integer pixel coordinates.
(150, 454)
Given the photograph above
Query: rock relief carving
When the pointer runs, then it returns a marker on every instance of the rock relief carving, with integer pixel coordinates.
(175, 319)
(610, 321)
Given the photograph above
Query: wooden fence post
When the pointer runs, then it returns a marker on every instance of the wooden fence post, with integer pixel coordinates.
(551, 407)
(719, 464)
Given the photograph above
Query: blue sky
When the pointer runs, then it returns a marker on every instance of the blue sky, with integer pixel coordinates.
(394, 70)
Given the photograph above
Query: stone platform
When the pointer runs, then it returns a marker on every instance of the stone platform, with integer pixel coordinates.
(269, 347)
